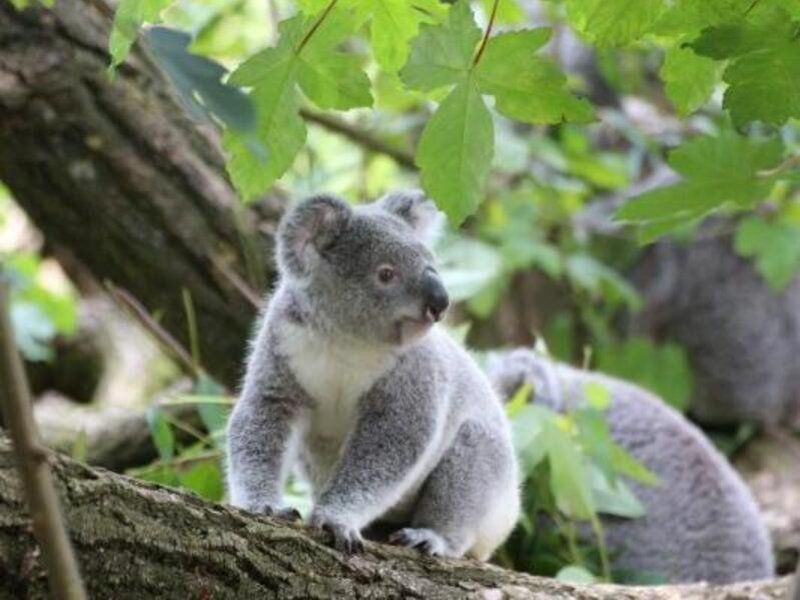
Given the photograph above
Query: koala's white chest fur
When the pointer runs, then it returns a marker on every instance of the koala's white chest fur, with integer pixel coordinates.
(335, 376)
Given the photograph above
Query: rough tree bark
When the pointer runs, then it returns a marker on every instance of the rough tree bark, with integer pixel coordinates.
(117, 173)
(137, 540)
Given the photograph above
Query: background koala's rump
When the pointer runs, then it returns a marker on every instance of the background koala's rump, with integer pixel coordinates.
(742, 337)
(392, 422)
(702, 524)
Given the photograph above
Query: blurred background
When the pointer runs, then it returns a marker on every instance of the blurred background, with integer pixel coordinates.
(134, 364)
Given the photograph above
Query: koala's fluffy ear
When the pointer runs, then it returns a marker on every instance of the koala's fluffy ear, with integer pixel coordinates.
(307, 230)
(418, 211)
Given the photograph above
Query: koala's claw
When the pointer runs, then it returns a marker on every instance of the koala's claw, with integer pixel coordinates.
(424, 540)
(281, 514)
(345, 538)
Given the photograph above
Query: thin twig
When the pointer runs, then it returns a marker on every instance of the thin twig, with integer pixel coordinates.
(40, 492)
(360, 137)
(239, 284)
(172, 346)
(191, 325)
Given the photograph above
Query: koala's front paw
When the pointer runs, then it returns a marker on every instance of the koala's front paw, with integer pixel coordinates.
(346, 538)
(425, 540)
(281, 514)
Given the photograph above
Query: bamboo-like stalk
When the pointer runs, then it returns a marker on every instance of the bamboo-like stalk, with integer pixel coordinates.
(32, 463)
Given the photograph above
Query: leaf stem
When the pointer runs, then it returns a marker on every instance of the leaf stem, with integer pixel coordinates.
(486, 34)
(316, 25)
(753, 4)
(788, 164)
(605, 565)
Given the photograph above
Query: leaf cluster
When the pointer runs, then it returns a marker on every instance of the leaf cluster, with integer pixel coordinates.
(573, 471)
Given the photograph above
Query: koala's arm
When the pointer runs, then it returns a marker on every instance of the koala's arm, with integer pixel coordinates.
(399, 419)
(261, 436)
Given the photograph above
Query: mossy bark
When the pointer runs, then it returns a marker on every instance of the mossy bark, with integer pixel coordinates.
(116, 172)
(137, 540)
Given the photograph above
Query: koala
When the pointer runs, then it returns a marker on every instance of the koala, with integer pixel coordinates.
(741, 337)
(351, 380)
(702, 523)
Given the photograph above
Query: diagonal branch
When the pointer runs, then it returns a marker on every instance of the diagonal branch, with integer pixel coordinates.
(361, 137)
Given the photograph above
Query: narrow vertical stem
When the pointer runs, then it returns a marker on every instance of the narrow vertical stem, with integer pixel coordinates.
(486, 33)
(191, 324)
(40, 492)
(605, 565)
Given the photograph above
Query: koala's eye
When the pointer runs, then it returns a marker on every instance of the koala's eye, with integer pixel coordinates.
(386, 274)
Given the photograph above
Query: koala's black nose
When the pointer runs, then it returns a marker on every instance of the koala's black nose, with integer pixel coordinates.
(435, 296)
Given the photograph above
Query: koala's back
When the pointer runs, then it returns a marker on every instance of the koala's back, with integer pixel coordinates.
(742, 337)
(702, 523)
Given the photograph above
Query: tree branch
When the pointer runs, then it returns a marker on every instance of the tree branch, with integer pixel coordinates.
(139, 540)
(31, 459)
(361, 137)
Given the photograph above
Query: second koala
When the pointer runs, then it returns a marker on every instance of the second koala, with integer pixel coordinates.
(390, 420)
(702, 523)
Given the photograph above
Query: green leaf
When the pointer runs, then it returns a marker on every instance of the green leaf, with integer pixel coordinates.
(663, 369)
(204, 478)
(526, 87)
(689, 79)
(597, 395)
(716, 170)
(467, 266)
(764, 72)
(280, 131)
(569, 479)
(196, 76)
(442, 54)
(455, 152)
(616, 499)
(305, 54)
(394, 24)
(527, 426)
(161, 433)
(689, 17)
(613, 22)
(588, 273)
(519, 400)
(774, 247)
(33, 331)
(508, 11)
(625, 464)
(333, 80)
(576, 574)
(130, 16)
(80, 447)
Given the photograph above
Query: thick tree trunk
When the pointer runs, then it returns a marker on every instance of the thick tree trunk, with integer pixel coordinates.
(136, 540)
(117, 173)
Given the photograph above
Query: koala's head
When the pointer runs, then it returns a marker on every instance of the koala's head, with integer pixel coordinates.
(367, 271)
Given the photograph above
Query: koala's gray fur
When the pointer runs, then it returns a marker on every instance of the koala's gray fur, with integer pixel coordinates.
(742, 338)
(702, 523)
(390, 420)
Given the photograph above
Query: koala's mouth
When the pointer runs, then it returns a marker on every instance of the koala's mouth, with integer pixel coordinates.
(410, 329)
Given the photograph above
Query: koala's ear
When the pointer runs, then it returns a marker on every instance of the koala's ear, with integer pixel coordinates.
(308, 229)
(418, 211)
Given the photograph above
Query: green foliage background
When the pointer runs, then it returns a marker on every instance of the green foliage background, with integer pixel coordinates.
(515, 151)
